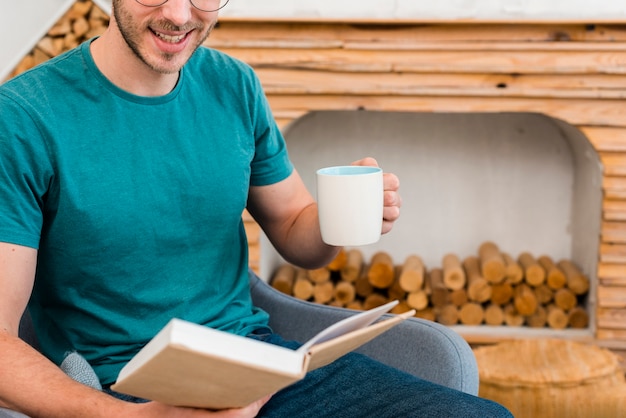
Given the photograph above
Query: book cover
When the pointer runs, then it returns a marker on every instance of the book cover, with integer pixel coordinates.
(187, 364)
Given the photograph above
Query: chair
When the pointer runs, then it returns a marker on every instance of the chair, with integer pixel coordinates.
(423, 348)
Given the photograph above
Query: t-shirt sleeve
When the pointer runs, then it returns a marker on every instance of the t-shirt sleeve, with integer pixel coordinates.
(24, 167)
(271, 162)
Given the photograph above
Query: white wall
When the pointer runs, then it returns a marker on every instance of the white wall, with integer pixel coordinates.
(427, 10)
(431, 10)
(24, 22)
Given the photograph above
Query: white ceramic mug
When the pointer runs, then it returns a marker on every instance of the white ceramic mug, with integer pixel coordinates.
(350, 204)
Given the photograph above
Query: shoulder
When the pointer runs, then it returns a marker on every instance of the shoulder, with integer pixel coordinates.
(49, 79)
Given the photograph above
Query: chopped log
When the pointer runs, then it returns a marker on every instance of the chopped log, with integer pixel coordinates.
(577, 282)
(374, 300)
(302, 287)
(565, 299)
(319, 275)
(284, 278)
(513, 271)
(427, 284)
(512, 317)
(323, 292)
(458, 297)
(494, 315)
(363, 287)
(453, 274)
(58, 44)
(339, 261)
(492, 264)
(40, 56)
(471, 314)
(439, 293)
(428, 314)
(344, 293)
(411, 277)
(381, 271)
(70, 41)
(417, 300)
(26, 64)
(97, 13)
(544, 294)
(97, 17)
(447, 314)
(525, 300)
(335, 303)
(534, 274)
(501, 293)
(578, 318)
(80, 27)
(353, 267)
(478, 289)
(78, 10)
(395, 292)
(95, 30)
(47, 45)
(557, 318)
(539, 319)
(401, 308)
(356, 305)
(61, 28)
(555, 278)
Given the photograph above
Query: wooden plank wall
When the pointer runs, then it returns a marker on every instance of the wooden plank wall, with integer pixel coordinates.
(574, 72)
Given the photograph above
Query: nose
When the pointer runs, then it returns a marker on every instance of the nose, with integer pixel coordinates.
(177, 11)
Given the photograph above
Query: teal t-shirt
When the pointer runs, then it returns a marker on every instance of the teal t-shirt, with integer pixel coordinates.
(134, 203)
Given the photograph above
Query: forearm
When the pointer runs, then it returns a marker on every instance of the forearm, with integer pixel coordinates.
(33, 385)
(303, 245)
(288, 214)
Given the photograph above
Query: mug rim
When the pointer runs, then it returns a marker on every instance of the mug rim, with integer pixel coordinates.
(348, 170)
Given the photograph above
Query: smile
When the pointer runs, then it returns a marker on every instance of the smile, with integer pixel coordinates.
(174, 39)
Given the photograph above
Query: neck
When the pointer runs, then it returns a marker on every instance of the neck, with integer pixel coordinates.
(123, 68)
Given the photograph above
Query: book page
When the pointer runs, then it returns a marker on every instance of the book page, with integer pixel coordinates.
(346, 325)
(326, 352)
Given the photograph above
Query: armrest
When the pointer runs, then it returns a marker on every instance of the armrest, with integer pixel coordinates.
(423, 348)
(5, 413)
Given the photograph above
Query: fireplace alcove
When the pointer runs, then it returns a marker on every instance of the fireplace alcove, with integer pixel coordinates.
(525, 181)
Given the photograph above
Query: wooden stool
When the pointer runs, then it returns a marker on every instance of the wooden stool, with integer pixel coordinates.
(550, 378)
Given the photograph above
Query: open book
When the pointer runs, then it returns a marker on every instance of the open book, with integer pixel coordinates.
(187, 364)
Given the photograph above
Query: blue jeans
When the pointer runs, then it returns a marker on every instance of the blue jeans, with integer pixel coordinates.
(356, 386)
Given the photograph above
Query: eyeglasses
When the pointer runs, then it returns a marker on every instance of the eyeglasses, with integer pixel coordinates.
(203, 5)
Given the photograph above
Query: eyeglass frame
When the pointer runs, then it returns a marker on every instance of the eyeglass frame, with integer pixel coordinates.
(191, 1)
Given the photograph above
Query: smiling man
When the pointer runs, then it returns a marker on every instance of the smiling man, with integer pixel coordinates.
(149, 41)
(125, 166)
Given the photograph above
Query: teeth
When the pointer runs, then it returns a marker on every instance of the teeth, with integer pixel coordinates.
(170, 38)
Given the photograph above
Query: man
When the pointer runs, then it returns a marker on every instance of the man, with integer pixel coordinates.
(125, 165)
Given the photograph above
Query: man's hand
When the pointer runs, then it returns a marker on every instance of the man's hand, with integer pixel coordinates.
(392, 199)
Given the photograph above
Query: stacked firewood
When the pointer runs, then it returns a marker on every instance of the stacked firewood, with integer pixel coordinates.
(490, 287)
(82, 21)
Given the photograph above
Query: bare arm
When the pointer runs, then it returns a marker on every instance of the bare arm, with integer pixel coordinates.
(33, 385)
(288, 215)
